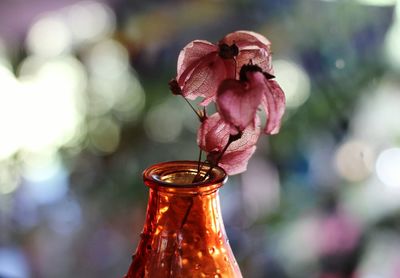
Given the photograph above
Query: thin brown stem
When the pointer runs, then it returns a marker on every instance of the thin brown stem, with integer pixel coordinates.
(196, 178)
(199, 161)
(194, 110)
(218, 159)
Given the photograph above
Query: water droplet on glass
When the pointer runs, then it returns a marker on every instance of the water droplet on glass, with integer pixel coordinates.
(211, 250)
(226, 259)
(197, 266)
(217, 276)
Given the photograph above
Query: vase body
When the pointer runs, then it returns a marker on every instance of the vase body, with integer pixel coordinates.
(184, 234)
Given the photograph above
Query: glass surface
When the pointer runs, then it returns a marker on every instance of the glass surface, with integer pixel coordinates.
(184, 234)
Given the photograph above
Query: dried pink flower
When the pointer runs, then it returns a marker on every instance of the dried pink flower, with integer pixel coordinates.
(213, 137)
(239, 100)
(236, 73)
(253, 47)
(202, 66)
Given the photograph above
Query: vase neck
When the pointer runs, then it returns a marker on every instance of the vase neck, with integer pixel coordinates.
(178, 177)
(174, 213)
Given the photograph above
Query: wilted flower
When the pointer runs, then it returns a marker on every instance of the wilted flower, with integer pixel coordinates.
(237, 74)
(202, 66)
(239, 100)
(231, 152)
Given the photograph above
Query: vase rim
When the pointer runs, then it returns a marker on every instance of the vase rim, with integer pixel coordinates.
(154, 176)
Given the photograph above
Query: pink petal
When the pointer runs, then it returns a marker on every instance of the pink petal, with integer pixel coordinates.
(236, 162)
(203, 81)
(274, 106)
(259, 57)
(213, 134)
(245, 39)
(236, 157)
(249, 137)
(237, 101)
(193, 52)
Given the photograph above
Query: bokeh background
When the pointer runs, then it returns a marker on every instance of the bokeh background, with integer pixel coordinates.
(85, 107)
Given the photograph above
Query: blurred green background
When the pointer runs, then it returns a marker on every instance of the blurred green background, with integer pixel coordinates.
(85, 107)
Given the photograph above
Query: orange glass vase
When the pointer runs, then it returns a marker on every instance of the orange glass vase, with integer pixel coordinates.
(184, 234)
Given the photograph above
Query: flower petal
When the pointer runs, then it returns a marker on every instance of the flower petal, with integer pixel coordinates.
(236, 162)
(192, 53)
(274, 106)
(259, 57)
(213, 134)
(237, 101)
(249, 137)
(203, 81)
(236, 157)
(245, 39)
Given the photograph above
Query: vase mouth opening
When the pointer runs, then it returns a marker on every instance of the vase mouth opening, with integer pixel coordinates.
(180, 175)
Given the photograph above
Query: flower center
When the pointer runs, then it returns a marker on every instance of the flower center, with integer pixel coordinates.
(252, 68)
(228, 52)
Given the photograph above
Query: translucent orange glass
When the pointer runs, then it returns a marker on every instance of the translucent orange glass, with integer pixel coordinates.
(184, 234)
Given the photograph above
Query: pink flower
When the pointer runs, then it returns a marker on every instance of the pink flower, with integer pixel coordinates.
(202, 66)
(253, 48)
(213, 136)
(239, 100)
(237, 74)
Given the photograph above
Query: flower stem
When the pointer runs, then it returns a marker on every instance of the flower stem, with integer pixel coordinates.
(194, 110)
(199, 166)
(232, 138)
